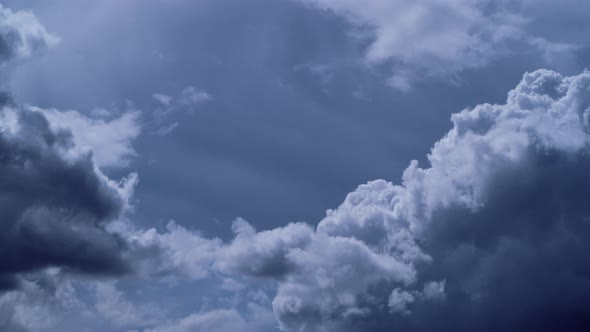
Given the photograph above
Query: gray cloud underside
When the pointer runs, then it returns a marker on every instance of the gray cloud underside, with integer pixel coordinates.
(55, 203)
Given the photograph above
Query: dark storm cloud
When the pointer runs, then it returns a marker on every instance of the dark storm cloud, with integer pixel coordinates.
(54, 203)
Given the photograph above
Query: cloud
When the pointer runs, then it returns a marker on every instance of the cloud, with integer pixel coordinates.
(56, 205)
(21, 35)
(112, 304)
(222, 320)
(437, 38)
(492, 235)
(109, 140)
(500, 211)
(191, 96)
(55, 202)
(176, 252)
(38, 303)
(187, 100)
(163, 131)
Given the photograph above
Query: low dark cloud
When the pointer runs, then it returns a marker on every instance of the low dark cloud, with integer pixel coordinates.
(54, 202)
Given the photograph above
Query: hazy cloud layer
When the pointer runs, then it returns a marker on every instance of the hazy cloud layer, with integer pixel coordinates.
(422, 39)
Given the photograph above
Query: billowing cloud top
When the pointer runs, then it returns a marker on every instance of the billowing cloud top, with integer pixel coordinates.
(488, 236)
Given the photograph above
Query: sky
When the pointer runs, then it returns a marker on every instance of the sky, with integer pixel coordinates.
(294, 165)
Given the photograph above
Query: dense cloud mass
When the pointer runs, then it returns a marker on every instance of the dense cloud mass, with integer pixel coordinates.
(492, 236)
(55, 202)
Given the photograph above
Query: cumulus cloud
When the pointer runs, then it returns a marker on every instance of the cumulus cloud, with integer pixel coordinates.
(21, 34)
(492, 235)
(55, 201)
(501, 214)
(437, 38)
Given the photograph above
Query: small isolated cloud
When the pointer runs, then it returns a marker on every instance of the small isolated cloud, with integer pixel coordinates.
(21, 34)
(188, 99)
(162, 98)
(191, 96)
(436, 38)
(163, 131)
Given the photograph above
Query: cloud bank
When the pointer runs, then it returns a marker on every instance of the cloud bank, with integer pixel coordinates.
(491, 236)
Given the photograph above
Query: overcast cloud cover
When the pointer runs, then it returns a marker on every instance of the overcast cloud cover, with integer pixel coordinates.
(164, 175)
